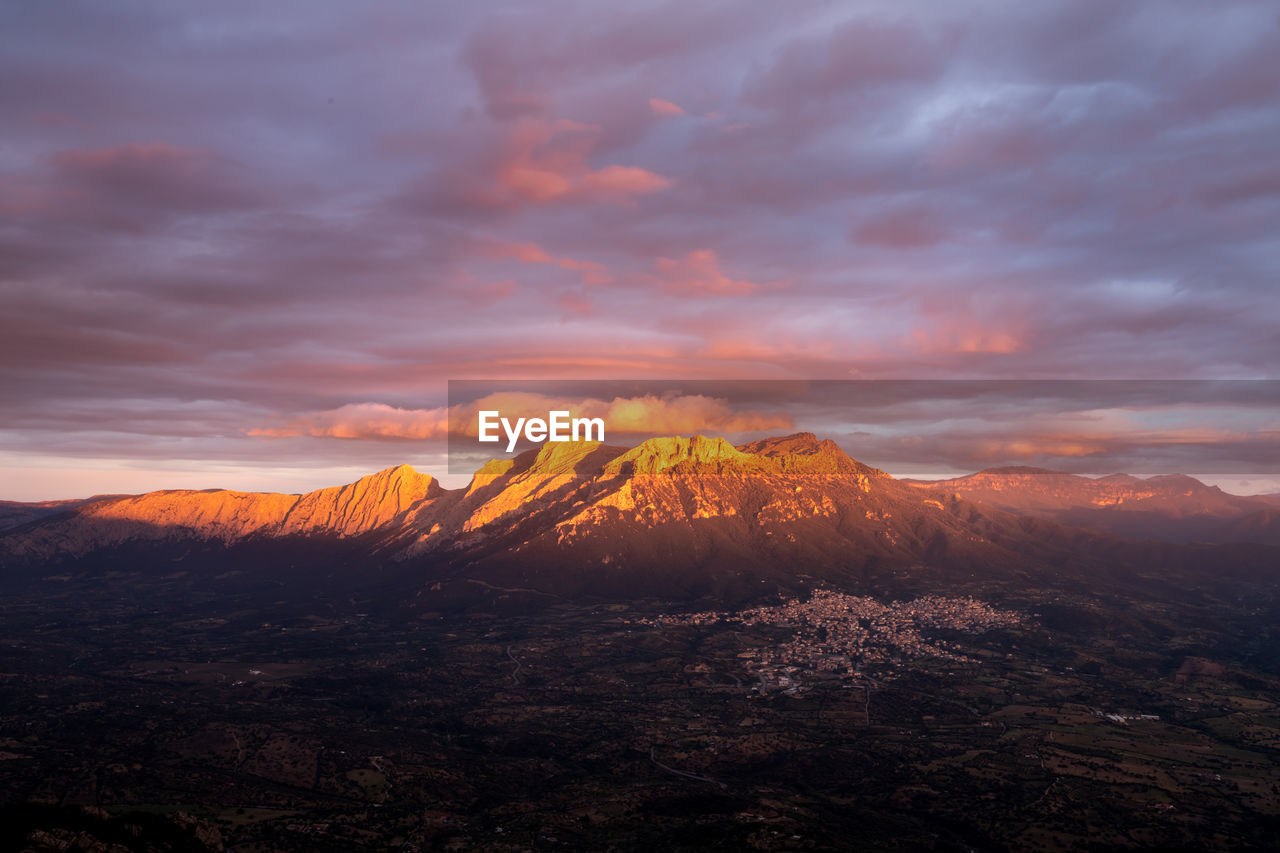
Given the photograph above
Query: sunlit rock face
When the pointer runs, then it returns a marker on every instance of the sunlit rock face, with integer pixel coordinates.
(380, 500)
(1168, 507)
(683, 509)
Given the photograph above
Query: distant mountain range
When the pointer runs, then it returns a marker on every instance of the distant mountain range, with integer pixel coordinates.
(1168, 508)
(673, 517)
(17, 513)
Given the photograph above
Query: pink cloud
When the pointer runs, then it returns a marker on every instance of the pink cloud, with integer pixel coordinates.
(525, 253)
(154, 172)
(546, 161)
(664, 109)
(698, 274)
(490, 292)
(623, 180)
(592, 272)
(769, 349)
(959, 336)
(129, 187)
(575, 303)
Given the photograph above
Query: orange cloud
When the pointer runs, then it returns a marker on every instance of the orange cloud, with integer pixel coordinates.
(698, 273)
(623, 180)
(645, 415)
(664, 109)
(1035, 448)
(364, 421)
(525, 253)
(546, 161)
(686, 414)
(965, 337)
(770, 348)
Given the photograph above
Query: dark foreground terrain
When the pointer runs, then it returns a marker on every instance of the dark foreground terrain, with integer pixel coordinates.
(185, 719)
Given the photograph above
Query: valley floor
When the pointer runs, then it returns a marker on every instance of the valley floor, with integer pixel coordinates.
(330, 727)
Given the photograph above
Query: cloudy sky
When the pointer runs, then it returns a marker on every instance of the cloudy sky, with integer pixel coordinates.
(237, 240)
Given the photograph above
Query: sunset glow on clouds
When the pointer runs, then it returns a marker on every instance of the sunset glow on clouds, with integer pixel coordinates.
(219, 222)
(625, 416)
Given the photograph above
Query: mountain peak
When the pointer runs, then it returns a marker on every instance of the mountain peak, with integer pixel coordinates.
(488, 473)
(400, 475)
(572, 457)
(402, 484)
(660, 454)
(369, 502)
(803, 453)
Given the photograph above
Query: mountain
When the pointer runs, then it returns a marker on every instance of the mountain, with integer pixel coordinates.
(696, 515)
(370, 504)
(1171, 507)
(673, 517)
(17, 513)
(1262, 526)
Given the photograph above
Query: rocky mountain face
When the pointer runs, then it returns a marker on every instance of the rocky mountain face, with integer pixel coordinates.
(17, 513)
(373, 503)
(1262, 526)
(672, 516)
(1171, 507)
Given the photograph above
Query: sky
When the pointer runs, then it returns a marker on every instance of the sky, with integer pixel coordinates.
(245, 244)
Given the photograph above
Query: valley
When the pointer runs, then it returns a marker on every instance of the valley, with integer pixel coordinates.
(313, 725)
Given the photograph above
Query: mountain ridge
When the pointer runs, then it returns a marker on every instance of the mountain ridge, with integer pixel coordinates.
(1168, 507)
(690, 516)
(224, 515)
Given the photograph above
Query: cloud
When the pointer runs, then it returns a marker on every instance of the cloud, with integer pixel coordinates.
(648, 414)
(858, 55)
(511, 82)
(132, 186)
(591, 272)
(909, 227)
(622, 181)
(964, 337)
(640, 415)
(545, 161)
(664, 109)
(364, 421)
(698, 274)
(529, 163)
(686, 414)
(525, 253)
(490, 292)
(575, 304)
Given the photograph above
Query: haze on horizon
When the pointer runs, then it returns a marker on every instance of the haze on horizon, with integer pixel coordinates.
(246, 246)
